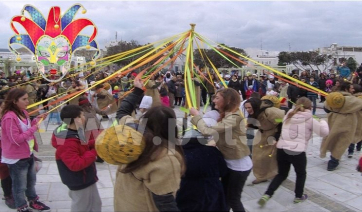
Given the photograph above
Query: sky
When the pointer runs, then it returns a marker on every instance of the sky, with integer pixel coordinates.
(267, 25)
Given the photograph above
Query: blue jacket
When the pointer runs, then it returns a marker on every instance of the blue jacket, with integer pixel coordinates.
(314, 84)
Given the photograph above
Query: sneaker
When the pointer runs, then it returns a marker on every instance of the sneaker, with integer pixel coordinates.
(37, 205)
(262, 201)
(24, 209)
(350, 154)
(10, 202)
(301, 199)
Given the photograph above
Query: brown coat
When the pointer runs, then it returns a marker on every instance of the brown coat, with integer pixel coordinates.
(196, 86)
(343, 124)
(358, 136)
(264, 150)
(152, 90)
(74, 101)
(32, 98)
(233, 124)
(104, 98)
(132, 191)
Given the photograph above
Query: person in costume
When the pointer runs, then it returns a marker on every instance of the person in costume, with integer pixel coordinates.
(234, 149)
(298, 127)
(264, 154)
(31, 89)
(329, 86)
(358, 138)
(152, 90)
(105, 100)
(93, 125)
(150, 177)
(342, 108)
(75, 87)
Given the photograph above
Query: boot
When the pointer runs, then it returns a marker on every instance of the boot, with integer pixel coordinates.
(332, 164)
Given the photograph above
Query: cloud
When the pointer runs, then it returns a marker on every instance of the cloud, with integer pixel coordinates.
(244, 24)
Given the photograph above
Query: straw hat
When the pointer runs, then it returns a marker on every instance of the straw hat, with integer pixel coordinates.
(274, 99)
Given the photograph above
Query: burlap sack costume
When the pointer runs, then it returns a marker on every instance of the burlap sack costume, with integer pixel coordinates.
(104, 98)
(342, 121)
(151, 90)
(358, 136)
(264, 151)
(30, 89)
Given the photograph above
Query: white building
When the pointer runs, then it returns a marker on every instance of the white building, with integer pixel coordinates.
(343, 52)
(269, 58)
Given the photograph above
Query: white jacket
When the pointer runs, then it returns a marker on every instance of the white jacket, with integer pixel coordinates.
(297, 131)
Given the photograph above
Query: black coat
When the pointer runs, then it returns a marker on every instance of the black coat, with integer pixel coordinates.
(171, 87)
(235, 85)
(201, 188)
(128, 104)
(322, 84)
(293, 92)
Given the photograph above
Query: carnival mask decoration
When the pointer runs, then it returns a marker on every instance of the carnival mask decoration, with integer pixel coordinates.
(53, 41)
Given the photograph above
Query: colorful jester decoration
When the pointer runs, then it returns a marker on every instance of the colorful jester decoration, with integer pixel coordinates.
(54, 40)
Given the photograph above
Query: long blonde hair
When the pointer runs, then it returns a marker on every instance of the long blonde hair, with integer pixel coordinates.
(302, 104)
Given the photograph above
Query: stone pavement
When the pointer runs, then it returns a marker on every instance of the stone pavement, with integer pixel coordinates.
(340, 190)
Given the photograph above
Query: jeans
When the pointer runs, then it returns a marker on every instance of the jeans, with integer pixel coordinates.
(23, 176)
(233, 184)
(314, 100)
(286, 158)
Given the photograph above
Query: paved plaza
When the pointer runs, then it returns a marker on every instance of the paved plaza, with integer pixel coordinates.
(340, 190)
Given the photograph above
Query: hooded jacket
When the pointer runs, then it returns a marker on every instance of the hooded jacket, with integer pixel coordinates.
(297, 131)
(75, 159)
(14, 141)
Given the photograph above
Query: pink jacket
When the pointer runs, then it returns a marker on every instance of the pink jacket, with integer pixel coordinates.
(297, 131)
(14, 142)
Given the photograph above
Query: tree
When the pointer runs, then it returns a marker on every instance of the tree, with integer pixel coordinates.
(351, 64)
(302, 59)
(218, 60)
(124, 46)
(284, 58)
